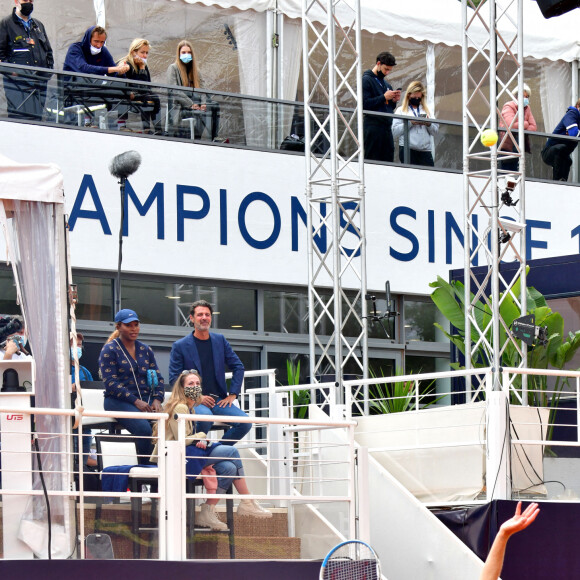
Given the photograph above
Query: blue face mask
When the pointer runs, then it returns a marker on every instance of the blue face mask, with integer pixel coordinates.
(185, 58)
(526, 101)
(79, 351)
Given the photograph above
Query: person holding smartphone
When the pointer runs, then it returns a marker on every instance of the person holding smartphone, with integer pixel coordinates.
(379, 97)
(421, 130)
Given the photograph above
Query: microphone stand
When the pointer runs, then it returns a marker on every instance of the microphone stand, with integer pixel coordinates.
(122, 182)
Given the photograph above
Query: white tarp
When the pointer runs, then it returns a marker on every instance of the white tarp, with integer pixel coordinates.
(30, 182)
(439, 22)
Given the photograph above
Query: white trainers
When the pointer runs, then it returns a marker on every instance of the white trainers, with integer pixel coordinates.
(250, 507)
(208, 518)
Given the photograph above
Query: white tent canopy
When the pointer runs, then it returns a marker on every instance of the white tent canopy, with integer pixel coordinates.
(30, 182)
(439, 22)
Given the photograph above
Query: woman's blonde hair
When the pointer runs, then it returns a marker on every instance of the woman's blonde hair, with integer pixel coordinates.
(178, 397)
(115, 334)
(189, 72)
(415, 87)
(135, 46)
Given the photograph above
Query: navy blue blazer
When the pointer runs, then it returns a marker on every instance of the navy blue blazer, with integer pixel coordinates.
(184, 356)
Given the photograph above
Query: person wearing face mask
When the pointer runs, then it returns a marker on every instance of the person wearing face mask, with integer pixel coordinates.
(509, 118)
(184, 72)
(379, 96)
(91, 56)
(84, 375)
(204, 458)
(136, 59)
(557, 152)
(24, 42)
(421, 130)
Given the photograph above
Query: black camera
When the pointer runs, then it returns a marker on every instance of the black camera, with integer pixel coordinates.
(8, 326)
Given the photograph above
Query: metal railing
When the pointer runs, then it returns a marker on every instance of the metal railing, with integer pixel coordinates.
(306, 463)
(89, 102)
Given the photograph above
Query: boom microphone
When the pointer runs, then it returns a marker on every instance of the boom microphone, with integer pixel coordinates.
(125, 164)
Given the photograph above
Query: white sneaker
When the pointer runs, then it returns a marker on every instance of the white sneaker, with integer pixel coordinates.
(208, 518)
(250, 507)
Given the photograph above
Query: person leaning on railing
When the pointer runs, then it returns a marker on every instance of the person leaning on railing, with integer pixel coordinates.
(509, 113)
(557, 152)
(150, 104)
(202, 456)
(420, 128)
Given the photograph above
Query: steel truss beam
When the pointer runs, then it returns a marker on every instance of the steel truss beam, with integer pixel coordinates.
(494, 229)
(334, 188)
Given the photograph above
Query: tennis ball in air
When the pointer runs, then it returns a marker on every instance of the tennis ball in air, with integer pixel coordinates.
(489, 138)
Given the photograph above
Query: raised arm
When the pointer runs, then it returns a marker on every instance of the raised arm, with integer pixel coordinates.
(520, 521)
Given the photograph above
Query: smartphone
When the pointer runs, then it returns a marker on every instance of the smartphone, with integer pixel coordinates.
(424, 115)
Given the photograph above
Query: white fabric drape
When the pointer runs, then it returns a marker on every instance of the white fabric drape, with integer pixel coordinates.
(35, 233)
(555, 102)
(100, 12)
(33, 223)
(251, 39)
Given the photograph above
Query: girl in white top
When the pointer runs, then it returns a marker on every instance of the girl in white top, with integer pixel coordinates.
(420, 129)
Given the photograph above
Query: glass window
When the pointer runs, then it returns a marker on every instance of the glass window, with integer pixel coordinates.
(431, 391)
(419, 321)
(95, 298)
(8, 293)
(286, 312)
(149, 300)
(169, 304)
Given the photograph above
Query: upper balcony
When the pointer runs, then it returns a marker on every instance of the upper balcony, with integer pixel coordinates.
(108, 104)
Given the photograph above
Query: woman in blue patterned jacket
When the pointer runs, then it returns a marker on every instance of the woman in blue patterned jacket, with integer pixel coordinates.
(132, 379)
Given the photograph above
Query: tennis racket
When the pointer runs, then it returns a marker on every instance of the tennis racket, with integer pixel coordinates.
(352, 560)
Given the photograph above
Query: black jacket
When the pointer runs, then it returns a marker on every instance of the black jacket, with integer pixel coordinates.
(15, 48)
(374, 89)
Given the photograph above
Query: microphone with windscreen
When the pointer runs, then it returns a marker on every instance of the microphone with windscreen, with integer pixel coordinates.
(125, 164)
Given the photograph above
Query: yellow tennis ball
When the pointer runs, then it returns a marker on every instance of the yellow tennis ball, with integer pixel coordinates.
(489, 138)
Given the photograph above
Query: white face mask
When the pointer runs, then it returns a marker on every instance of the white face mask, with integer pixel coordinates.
(526, 101)
(95, 50)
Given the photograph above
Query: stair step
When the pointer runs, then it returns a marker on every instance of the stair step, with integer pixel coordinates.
(213, 546)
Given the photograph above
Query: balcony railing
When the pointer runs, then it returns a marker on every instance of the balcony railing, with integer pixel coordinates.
(97, 103)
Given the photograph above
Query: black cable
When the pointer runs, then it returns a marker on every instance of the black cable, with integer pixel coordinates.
(500, 457)
(41, 474)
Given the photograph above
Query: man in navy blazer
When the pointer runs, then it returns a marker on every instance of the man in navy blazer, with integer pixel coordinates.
(209, 354)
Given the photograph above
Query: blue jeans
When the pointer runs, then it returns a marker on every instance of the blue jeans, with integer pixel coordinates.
(227, 464)
(237, 430)
(141, 428)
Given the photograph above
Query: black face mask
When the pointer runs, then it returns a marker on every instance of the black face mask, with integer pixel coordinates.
(26, 9)
(415, 102)
(380, 74)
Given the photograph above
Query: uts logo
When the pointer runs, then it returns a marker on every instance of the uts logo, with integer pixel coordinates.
(15, 417)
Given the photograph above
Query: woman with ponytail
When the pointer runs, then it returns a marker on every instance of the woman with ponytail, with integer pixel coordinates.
(132, 379)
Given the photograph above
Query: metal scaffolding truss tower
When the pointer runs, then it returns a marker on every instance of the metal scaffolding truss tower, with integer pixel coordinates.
(331, 44)
(494, 201)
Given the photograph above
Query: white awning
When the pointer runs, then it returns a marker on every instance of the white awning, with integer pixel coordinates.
(30, 182)
(439, 22)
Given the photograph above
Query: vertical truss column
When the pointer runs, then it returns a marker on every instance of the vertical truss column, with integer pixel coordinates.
(494, 223)
(335, 188)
